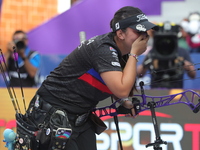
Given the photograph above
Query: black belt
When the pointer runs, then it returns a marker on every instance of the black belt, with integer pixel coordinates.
(78, 119)
(47, 107)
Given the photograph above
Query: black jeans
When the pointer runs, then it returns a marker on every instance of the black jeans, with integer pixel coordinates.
(84, 141)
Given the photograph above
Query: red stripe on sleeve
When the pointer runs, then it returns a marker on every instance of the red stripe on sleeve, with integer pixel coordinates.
(95, 83)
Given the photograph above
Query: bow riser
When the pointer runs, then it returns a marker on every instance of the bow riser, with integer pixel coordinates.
(187, 97)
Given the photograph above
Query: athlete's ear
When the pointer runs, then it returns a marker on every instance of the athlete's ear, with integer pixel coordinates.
(120, 34)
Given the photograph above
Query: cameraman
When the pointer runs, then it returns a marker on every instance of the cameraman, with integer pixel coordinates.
(167, 69)
(28, 61)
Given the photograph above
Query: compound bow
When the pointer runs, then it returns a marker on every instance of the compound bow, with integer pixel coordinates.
(145, 102)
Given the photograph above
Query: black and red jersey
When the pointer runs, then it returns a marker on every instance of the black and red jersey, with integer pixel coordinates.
(76, 81)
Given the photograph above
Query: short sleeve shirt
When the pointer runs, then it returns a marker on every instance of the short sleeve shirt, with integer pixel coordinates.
(76, 81)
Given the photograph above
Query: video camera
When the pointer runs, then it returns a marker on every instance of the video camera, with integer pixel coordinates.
(164, 56)
(165, 43)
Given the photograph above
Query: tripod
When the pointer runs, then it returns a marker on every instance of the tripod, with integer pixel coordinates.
(158, 141)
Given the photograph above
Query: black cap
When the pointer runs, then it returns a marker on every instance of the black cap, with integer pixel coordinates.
(137, 22)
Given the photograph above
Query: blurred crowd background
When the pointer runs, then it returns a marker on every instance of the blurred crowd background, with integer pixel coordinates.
(55, 27)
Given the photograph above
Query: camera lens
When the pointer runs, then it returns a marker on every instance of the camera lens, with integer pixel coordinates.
(20, 45)
(166, 45)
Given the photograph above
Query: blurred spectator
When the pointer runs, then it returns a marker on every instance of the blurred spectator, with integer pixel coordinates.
(165, 60)
(182, 43)
(191, 26)
(28, 61)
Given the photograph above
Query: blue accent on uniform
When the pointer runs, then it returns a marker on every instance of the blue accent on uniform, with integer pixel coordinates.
(95, 74)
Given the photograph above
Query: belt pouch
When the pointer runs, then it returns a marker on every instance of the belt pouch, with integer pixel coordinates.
(25, 134)
(39, 111)
(81, 119)
(60, 130)
(44, 137)
(98, 123)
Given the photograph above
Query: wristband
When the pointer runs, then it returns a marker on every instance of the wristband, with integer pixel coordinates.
(134, 55)
(121, 102)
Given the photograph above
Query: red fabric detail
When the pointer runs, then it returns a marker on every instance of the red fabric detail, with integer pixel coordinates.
(95, 83)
